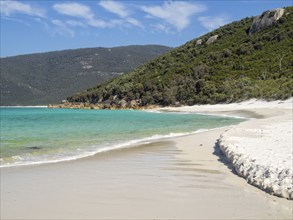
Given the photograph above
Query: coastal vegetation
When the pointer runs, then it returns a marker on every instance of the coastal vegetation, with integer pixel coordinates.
(229, 64)
(40, 79)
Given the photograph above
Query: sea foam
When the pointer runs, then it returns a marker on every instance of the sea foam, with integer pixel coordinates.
(94, 150)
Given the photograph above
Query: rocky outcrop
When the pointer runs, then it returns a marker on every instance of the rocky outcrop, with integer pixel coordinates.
(266, 19)
(122, 104)
(212, 39)
(199, 42)
(133, 104)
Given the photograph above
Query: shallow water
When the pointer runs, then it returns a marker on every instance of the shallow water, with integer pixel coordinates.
(41, 135)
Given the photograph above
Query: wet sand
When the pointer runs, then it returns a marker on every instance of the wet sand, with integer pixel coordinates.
(154, 181)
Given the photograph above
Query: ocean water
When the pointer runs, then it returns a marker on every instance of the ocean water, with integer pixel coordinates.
(41, 135)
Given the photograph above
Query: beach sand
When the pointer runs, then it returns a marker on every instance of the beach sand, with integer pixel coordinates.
(260, 149)
(178, 178)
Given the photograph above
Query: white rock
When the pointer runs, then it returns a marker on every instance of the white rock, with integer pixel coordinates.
(260, 159)
(266, 19)
(212, 39)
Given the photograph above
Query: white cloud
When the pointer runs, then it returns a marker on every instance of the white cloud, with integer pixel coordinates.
(62, 28)
(176, 13)
(14, 7)
(134, 22)
(120, 10)
(98, 23)
(162, 28)
(80, 11)
(115, 7)
(16, 20)
(212, 23)
(115, 23)
(74, 10)
(75, 23)
(59, 27)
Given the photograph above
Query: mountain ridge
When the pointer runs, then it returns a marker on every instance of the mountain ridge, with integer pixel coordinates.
(223, 66)
(43, 78)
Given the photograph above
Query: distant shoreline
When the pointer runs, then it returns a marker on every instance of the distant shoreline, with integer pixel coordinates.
(28, 106)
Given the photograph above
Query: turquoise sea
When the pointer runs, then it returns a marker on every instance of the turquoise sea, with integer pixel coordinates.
(41, 135)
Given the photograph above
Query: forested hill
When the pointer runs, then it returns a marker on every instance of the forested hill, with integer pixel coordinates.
(241, 60)
(40, 79)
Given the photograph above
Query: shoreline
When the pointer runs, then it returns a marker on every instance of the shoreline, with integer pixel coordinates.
(135, 143)
(25, 106)
(246, 160)
(181, 177)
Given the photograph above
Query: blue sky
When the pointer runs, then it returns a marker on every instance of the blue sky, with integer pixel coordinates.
(44, 25)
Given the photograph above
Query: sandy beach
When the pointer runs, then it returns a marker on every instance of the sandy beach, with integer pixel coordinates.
(260, 150)
(189, 177)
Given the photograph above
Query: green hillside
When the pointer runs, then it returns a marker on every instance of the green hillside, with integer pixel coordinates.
(237, 66)
(44, 78)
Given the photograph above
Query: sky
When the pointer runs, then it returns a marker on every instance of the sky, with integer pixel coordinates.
(47, 25)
